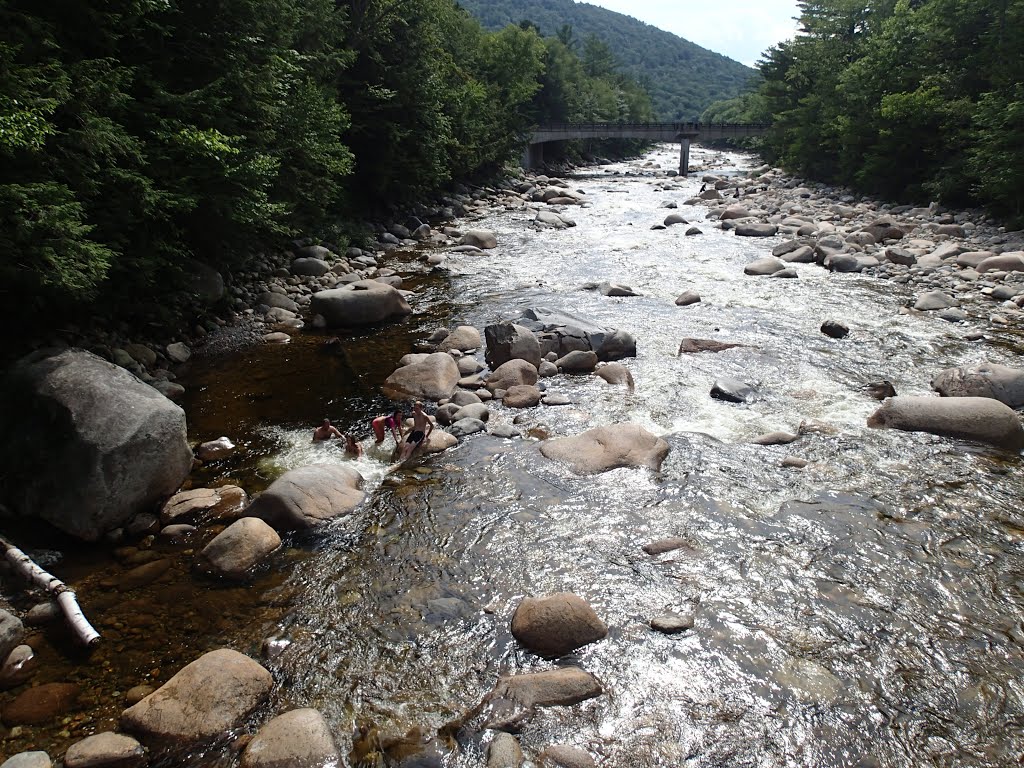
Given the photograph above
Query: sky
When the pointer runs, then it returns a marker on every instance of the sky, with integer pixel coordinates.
(739, 29)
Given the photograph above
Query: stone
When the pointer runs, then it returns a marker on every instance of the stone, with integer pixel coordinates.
(794, 462)
(616, 373)
(18, 667)
(212, 450)
(106, 750)
(277, 337)
(616, 346)
(432, 378)
(309, 496)
(674, 218)
(96, 445)
(557, 624)
(472, 410)
(901, 256)
(1000, 382)
(297, 739)
(466, 426)
(880, 390)
(206, 698)
(239, 548)
(143, 575)
(272, 299)
(577, 361)
(310, 267)
(933, 300)
(177, 531)
(690, 346)
(1004, 262)
(775, 438)
(521, 396)
(468, 365)
(842, 262)
(662, 546)
(756, 230)
(980, 419)
(768, 265)
(686, 298)
(555, 398)
(515, 697)
(438, 441)
(28, 760)
(12, 632)
(609, 447)
(508, 341)
(480, 238)
(616, 289)
(142, 354)
(178, 352)
(694, 231)
(464, 338)
(672, 623)
(42, 613)
(504, 431)
(563, 756)
(364, 302)
(189, 506)
(835, 329)
(137, 693)
(734, 211)
(731, 390)
(504, 751)
(514, 372)
(802, 255)
(42, 704)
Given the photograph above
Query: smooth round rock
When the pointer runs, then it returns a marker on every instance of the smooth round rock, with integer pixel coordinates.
(671, 623)
(553, 626)
(297, 739)
(106, 750)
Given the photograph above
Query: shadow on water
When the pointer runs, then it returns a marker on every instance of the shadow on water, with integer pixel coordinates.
(863, 611)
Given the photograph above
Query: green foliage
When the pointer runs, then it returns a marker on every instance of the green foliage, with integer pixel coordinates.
(908, 98)
(682, 78)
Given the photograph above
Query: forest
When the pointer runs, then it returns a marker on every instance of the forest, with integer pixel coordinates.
(140, 136)
(914, 100)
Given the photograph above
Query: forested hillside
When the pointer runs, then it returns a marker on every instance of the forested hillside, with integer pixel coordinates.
(914, 99)
(138, 137)
(682, 78)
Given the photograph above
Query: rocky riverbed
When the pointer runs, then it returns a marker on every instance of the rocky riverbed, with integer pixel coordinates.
(660, 504)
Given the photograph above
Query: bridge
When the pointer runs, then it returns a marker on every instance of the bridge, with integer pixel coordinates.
(683, 133)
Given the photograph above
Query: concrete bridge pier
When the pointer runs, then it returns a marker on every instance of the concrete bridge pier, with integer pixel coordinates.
(533, 156)
(684, 157)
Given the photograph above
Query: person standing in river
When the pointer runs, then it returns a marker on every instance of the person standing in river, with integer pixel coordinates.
(392, 422)
(422, 426)
(326, 431)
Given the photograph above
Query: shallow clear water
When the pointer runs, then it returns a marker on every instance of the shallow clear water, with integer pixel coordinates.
(865, 610)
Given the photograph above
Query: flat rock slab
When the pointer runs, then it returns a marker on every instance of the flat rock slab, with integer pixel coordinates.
(690, 346)
(106, 750)
(203, 701)
(309, 496)
(604, 448)
(516, 697)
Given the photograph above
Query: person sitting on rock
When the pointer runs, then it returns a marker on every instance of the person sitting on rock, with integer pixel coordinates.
(392, 422)
(422, 426)
(352, 448)
(326, 431)
(703, 187)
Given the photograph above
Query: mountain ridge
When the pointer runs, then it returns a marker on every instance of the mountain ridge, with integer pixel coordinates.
(682, 77)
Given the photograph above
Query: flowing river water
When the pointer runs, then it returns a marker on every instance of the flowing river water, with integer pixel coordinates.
(863, 611)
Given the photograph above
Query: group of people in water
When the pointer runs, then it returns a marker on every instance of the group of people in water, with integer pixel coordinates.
(405, 444)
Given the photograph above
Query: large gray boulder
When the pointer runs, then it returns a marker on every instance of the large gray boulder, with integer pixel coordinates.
(205, 699)
(767, 265)
(240, 547)
(297, 739)
(464, 338)
(511, 374)
(364, 302)
(756, 230)
(309, 496)
(508, 341)
(970, 418)
(604, 448)
(481, 238)
(308, 266)
(89, 445)
(433, 377)
(999, 382)
(554, 625)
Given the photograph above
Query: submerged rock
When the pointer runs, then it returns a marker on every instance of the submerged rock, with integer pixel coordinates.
(516, 697)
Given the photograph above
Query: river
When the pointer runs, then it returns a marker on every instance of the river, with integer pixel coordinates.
(863, 611)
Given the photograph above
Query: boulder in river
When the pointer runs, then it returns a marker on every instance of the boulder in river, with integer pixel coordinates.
(835, 329)
(981, 419)
(480, 238)
(300, 738)
(95, 445)
(509, 341)
(554, 625)
(615, 289)
(577, 361)
(309, 496)
(504, 751)
(364, 302)
(616, 346)
(731, 390)
(616, 373)
(465, 338)
(308, 266)
(694, 346)
(755, 229)
(510, 374)
(522, 396)
(767, 265)
(239, 548)
(434, 377)
(609, 447)
(203, 701)
(106, 750)
(1000, 382)
(1004, 262)
(933, 300)
(34, 759)
(12, 632)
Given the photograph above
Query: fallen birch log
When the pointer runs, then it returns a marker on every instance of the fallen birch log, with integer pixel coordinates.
(57, 589)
